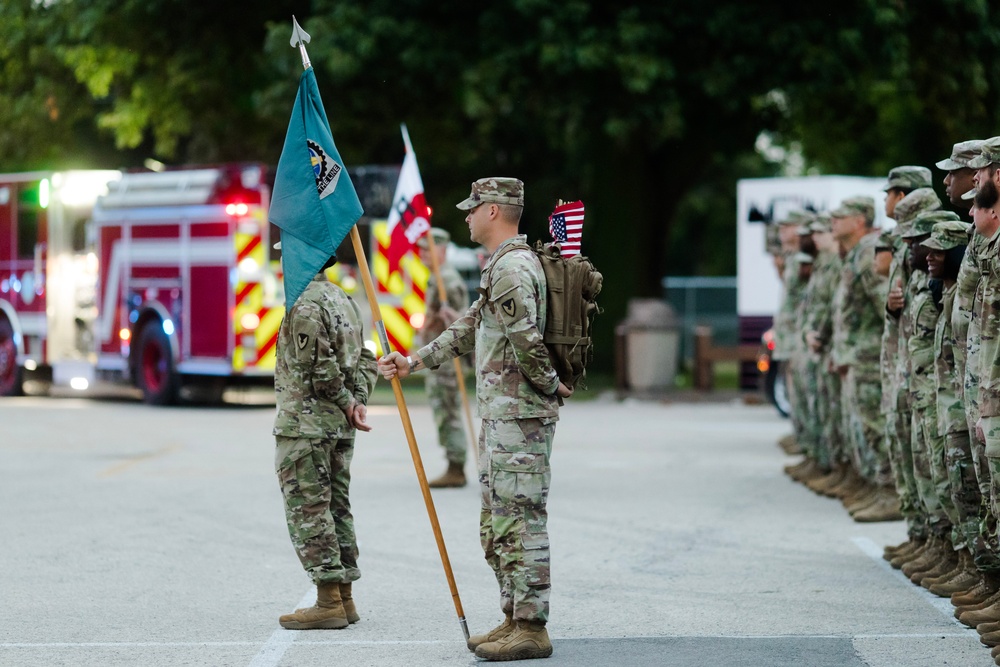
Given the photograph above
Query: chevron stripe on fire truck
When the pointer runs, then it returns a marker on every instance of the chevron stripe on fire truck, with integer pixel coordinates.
(401, 296)
(255, 325)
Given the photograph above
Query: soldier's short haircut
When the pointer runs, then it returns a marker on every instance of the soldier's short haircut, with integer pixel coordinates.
(510, 212)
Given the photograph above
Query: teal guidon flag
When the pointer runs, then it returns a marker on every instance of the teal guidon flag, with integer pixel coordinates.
(314, 202)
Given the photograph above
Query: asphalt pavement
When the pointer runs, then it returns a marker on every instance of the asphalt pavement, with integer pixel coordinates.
(134, 535)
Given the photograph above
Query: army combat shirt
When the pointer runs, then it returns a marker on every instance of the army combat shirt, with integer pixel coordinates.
(514, 376)
(321, 363)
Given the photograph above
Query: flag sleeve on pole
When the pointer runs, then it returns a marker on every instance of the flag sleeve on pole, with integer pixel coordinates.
(314, 202)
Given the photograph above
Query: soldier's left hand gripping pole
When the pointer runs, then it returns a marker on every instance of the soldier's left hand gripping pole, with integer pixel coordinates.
(300, 38)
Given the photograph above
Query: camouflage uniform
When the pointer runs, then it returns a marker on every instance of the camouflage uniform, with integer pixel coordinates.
(824, 437)
(984, 363)
(442, 383)
(961, 480)
(787, 333)
(321, 365)
(827, 269)
(516, 391)
(859, 303)
(895, 379)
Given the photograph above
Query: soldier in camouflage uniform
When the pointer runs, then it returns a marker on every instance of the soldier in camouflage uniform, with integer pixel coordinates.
(927, 442)
(442, 383)
(858, 305)
(958, 182)
(786, 326)
(818, 326)
(323, 375)
(895, 379)
(947, 246)
(983, 349)
(803, 371)
(518, 392)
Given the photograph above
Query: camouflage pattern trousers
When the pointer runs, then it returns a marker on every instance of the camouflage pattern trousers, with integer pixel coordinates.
(864, 424)
(442, 394)
(830, 414)
(929, 472)
(898, 439)
(514, 476)
(963, 488)
(315, 479)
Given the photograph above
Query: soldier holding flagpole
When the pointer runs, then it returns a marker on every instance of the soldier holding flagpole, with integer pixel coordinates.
(518, 391)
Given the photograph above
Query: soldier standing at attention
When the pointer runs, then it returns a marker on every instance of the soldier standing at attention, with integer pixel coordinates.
(518, 392)
(442, 383)
(323, 375)
(857, 340)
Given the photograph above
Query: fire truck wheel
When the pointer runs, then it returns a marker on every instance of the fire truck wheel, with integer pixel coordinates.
(10, 372)
(154, 367)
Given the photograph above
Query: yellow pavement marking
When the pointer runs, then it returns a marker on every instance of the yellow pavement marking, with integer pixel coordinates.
(135, 460)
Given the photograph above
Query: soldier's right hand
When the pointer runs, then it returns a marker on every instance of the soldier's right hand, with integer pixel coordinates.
(896, 300)
(393, 365)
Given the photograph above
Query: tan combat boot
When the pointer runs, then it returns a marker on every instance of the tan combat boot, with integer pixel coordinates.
(453, 477)
(928, 559)
(965, 577)
(827, 481)
(885, 508)
(944, 566)
(902, 559)
(526, 641)
(988, 614)
(975, 594)
(493, 635)
(327, 614)
(347, 597)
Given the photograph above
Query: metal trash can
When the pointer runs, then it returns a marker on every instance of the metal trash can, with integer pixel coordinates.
(649, 338)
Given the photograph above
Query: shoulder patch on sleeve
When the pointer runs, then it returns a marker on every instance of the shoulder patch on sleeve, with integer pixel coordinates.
(302, 340)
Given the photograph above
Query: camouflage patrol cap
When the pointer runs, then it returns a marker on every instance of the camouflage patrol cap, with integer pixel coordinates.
(864, 206)
(961, 154)
(908, 178)
(924, 223)
(820, 223)
(948, 235)
(803, 258)
(989, 153)
(441, 237)
(886, 240)
(915, 203)
(796, 217)
(494, 190)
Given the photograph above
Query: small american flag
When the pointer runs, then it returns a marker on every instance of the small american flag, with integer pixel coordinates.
(566, 226)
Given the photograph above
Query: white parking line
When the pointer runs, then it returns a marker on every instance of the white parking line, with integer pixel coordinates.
(943, 605)
(270, 654)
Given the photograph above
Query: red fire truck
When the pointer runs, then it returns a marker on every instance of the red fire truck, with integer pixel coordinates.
(160, 279)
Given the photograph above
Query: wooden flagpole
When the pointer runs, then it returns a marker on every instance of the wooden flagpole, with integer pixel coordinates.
(404, 414)
(299, 38)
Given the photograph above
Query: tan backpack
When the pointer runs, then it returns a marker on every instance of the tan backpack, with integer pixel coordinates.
(571, 287)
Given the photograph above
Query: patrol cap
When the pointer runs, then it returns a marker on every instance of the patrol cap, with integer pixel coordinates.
(803, 258)
(852, 206)
(441, 237)
(970, 195)
(989, 153)
(961, 153)
(494, 190)
(886, 240)
(924, 223)
(918, 201)
(796, 217)
(948, 235)
(908, 178)
(820, 223)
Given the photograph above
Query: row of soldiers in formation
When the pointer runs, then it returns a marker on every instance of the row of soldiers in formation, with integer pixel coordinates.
(891, 345)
